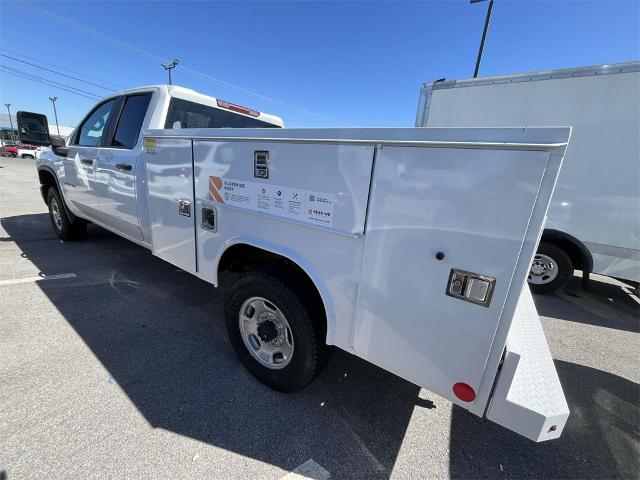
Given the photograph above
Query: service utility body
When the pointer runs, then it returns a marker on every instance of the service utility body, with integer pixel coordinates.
(408, 247)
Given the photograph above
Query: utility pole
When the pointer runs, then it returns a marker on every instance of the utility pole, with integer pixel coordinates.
(170, 67)
(55, 112)
(10, 121)
(484, 34)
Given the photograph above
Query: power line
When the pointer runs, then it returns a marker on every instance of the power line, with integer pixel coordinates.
(156, 58)
(51, 81)
(42, 62)
(57, 73)
(44, 81)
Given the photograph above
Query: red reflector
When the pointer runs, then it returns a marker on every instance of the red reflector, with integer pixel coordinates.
(464, 392)
(237, 108)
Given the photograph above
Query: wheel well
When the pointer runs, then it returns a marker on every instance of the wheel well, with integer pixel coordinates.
(578, 254)
(243, 258)
(47, 180)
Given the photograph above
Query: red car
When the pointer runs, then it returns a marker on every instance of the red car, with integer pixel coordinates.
(9, 150)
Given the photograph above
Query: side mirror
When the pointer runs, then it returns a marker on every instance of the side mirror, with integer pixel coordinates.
(33, 128)
(59, 146)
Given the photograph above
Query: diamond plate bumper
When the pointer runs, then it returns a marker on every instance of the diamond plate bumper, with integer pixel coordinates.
(528, 397)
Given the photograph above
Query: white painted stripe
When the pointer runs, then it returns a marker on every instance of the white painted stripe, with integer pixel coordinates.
(14, 281)
(308, 470)
(629, 292)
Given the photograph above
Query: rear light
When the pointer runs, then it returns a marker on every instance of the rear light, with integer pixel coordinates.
(464, 392)
(237, 108)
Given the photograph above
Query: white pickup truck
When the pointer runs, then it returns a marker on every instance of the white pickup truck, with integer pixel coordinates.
(408, 247)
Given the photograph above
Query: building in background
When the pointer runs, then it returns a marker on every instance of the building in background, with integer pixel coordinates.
(9, 136)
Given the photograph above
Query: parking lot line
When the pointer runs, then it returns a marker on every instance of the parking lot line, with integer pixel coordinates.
(13, 281)
(308, 470)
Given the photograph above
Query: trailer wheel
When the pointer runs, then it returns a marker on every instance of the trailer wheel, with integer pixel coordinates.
(551, 269)
(62, 226)
(274, 331)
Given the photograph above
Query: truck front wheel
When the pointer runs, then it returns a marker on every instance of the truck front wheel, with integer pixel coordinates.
(64, 228)
(275, 333)
(551, 269)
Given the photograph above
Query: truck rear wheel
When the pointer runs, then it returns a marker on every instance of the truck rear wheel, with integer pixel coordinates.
(64, 228)
(551, 269)
(274, 331)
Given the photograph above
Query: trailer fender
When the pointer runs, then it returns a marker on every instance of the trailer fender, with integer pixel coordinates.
(578, 252)
(295, 258)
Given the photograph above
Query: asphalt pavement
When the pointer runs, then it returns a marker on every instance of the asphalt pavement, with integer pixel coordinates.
(115, 364)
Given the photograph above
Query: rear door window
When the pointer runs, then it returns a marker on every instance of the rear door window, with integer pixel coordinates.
(185, 114)
(130, 121)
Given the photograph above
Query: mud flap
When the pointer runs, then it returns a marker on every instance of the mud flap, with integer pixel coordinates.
(528, 397)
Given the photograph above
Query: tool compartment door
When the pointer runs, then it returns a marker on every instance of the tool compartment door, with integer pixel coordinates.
(433, 210)
(169, 165)
(313, 184)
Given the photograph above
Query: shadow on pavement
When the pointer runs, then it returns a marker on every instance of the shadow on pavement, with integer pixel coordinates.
(603, 305)
(600, 439)
(160, 333)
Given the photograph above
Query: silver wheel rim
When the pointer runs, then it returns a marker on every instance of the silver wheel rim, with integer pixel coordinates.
(55, 214)
(266, 333)
(544, 269)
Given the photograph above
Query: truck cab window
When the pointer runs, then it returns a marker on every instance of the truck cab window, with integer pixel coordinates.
(185, 114)
(92, 130)
(130, 121)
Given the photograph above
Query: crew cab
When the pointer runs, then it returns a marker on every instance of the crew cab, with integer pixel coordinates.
(408, 247)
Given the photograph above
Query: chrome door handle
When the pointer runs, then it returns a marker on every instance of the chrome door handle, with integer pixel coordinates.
(123, 166)
(87, 161)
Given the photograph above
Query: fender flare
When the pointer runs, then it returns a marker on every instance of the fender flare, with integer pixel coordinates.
(551, 234)
(292, 256)
(48, 169)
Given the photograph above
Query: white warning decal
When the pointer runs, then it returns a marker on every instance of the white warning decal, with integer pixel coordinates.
(294, 203)
(319, 208)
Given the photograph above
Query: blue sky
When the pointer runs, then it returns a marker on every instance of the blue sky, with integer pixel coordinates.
(351, 63)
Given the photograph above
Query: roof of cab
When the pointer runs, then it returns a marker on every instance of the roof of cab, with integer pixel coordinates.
(192, 95)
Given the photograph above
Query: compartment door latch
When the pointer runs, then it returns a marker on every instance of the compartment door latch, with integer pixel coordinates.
(184, 207)
(261, 164)
(470, 287)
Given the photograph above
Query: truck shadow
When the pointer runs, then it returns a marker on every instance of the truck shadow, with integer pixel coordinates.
(600, 439)
(603, 304)
(160, 334)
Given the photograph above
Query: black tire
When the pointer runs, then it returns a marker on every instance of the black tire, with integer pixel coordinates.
(309, 352)
(563, 265)
(65, 229)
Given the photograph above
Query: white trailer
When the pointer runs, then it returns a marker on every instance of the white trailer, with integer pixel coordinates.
(594, 218)
(407, 247)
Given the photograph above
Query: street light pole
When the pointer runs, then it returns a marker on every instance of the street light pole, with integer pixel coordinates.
(484, 35)
(10, 121)
(55, 112)
(170, 67)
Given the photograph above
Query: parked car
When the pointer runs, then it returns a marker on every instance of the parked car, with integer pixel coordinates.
(9, 150)
(28, 151)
